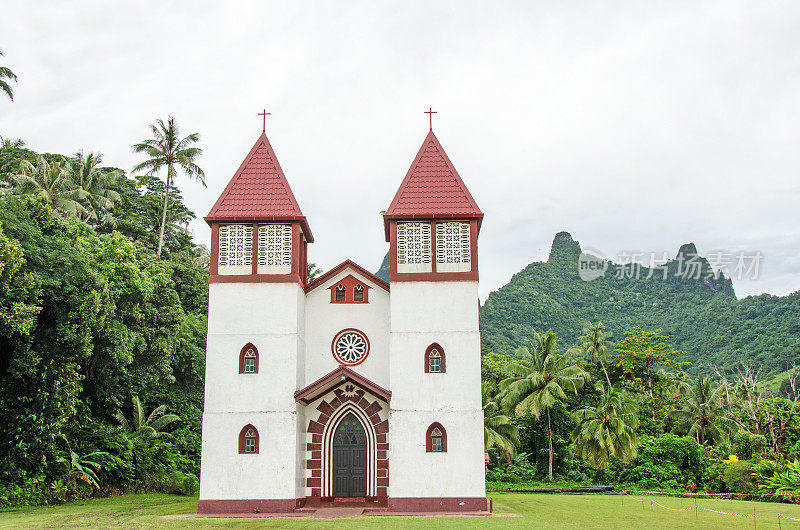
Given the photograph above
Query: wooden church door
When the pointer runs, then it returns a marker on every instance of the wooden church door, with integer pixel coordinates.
(350, 459)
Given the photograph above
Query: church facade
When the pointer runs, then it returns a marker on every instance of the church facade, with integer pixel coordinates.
(344, 388)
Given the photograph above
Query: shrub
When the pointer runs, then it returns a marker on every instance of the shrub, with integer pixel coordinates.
(775, 477)
(748, 446)
(738, 477)
(668, 461)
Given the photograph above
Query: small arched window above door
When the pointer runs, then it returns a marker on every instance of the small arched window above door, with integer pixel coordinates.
(358, 293)
(340, 293)
(436, 439)
(248, 359)
(248, 440)
(434, 359)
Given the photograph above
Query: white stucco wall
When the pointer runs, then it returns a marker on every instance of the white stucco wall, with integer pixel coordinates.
(413, 472)
(271, 317)
(270, 474)
(325, 320)
(445, 313)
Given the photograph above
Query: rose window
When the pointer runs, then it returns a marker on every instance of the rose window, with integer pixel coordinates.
(350, 347)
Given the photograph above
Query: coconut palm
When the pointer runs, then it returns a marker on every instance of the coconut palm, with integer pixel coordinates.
(7, 75)
(152, 425)
(607, 429)
(595, 346)
(11, 143)
(95, 184)
(498, 431)
(703, 413)
(312, 271)
(167, 150)
(540, 378)
(52, 182)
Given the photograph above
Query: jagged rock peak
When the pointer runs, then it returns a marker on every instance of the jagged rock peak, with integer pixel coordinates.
(687, 249)
(564, 248)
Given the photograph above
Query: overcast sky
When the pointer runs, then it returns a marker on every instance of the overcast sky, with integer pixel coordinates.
(635, 127)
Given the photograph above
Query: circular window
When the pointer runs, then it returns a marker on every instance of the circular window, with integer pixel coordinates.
(350, 347)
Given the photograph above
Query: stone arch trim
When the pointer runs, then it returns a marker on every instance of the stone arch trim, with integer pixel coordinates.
(319, 464)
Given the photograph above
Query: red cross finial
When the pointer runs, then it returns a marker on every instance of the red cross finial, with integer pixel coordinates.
(430, 112)
(264, 114)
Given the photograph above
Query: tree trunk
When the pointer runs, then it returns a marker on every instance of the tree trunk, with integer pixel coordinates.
(550, 446)
(164, 211)
(608, 380)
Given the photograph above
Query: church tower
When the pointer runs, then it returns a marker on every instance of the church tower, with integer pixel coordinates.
(255, 346)
(432, 226)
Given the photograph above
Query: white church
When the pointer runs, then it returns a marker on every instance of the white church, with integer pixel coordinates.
(344, 389)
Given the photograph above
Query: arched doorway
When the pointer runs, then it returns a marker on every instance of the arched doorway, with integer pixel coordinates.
(350, 458)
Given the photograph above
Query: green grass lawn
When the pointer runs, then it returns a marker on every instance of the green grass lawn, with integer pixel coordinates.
(521, 510)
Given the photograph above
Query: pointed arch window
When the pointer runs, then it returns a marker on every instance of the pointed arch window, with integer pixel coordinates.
(434, 359)
(358, 293)
(436, 439)
(248, 359)
(248, 440)
(340, 293)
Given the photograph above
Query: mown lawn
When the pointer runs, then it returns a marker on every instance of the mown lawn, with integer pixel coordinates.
(519, 510)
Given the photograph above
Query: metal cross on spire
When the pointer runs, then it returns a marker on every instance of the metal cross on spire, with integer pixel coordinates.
(430, 112)
(264, 114)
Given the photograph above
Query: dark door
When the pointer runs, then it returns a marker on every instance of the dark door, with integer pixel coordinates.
(350, 459)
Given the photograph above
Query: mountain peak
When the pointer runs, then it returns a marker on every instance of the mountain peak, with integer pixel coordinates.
(687, 249)
(564, 249)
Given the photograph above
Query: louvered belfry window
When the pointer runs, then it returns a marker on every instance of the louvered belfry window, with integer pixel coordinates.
(235, 249)
(453, 247)
(274, 249)
(414, 247)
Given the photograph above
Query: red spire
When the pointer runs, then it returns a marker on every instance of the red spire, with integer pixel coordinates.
(259, 191)
(432, 189)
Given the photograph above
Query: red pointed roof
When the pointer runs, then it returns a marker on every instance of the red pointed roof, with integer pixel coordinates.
(432, 188)
(259, 191)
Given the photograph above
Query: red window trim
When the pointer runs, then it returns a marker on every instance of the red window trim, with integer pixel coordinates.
(349, 283)
(241, 439)
(428, 358)
(428, 438)
(246, 347)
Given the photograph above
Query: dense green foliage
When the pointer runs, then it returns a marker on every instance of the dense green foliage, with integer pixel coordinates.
(703, 315)
(90, 318)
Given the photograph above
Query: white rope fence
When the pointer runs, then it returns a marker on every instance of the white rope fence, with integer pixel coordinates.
(672, 509)
(728, 513)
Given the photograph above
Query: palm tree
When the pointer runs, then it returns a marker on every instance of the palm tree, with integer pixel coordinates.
(312, 271)
(166, 149)
(52, 182)
(541, 377)
(152, 426)
(595, 346)
(81, 467)
(607, 429)
(95, 184)
(11, 143)
(6, 73)
(703, 413)
(498, 431)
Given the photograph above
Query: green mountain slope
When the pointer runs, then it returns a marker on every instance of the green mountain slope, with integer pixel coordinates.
(703, 314)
